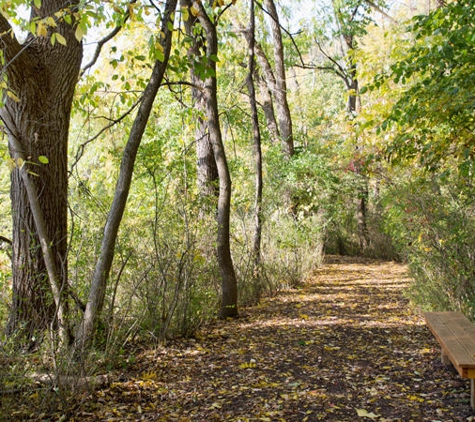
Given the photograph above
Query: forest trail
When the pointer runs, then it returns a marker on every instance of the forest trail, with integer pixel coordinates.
(344, 347)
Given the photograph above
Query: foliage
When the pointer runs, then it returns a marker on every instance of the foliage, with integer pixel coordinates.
(433, 223)
(434, 116)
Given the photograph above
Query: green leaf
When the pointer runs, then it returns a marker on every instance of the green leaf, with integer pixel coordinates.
(43, 160)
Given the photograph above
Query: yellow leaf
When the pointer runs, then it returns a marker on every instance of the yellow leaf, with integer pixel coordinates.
(185, 13)
(41, 30)
(50, 22)
(79, 34)
(194, 11)
(362, 413)
(247, 365)
(415, 398)
(11, 164)
(152, 375)
(60, 39)
(13, 96)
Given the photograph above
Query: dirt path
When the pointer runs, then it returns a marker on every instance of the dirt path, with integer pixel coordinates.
(342, 347)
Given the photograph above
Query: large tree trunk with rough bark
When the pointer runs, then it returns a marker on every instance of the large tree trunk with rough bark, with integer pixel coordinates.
(43, 76)
(229, 294)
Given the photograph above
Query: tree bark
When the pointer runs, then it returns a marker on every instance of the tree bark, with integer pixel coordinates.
(229, 306)
(207, 172)
(267, 85)
(256, 248)
(43, 77)
(97, 291)
(361, 216)
(284, 117)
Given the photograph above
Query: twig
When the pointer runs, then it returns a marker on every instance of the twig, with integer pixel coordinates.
(82, 147)
(106, 39)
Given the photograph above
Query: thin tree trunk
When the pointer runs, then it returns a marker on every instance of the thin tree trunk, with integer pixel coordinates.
(101, 273)
(256, 249)
(353, 108)
(268, 87)
(361, 216)
(229, 307)
(284, 117)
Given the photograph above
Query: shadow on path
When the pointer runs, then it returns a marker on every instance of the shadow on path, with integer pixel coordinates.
(346, 343)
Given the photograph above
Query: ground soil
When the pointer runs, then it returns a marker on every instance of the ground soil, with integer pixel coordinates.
(346, 346)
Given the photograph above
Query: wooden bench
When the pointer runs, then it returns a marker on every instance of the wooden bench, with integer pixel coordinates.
(456, 335)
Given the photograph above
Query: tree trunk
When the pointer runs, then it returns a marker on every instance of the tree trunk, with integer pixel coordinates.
(229, 306)
(361, 216)
(267, 106)
(97, 291)
(256, 249)
(43, 76)
(284, 117)
(353, 108)
(207, 172)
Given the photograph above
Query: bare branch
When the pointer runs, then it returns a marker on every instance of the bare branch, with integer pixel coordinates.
(380, 10)
(5, 240)
(338, 69)
(285, 30)
(82, 147)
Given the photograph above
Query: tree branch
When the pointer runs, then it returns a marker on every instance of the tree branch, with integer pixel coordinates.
(82, 147)
(285, 30)
(338, 70)
(5, 240)
(380, 10)
(105, 40)
(9, 44)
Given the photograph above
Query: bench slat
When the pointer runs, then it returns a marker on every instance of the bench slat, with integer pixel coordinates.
(456, 334)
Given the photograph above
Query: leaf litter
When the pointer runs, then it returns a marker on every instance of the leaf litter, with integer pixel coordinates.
(346, 346)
